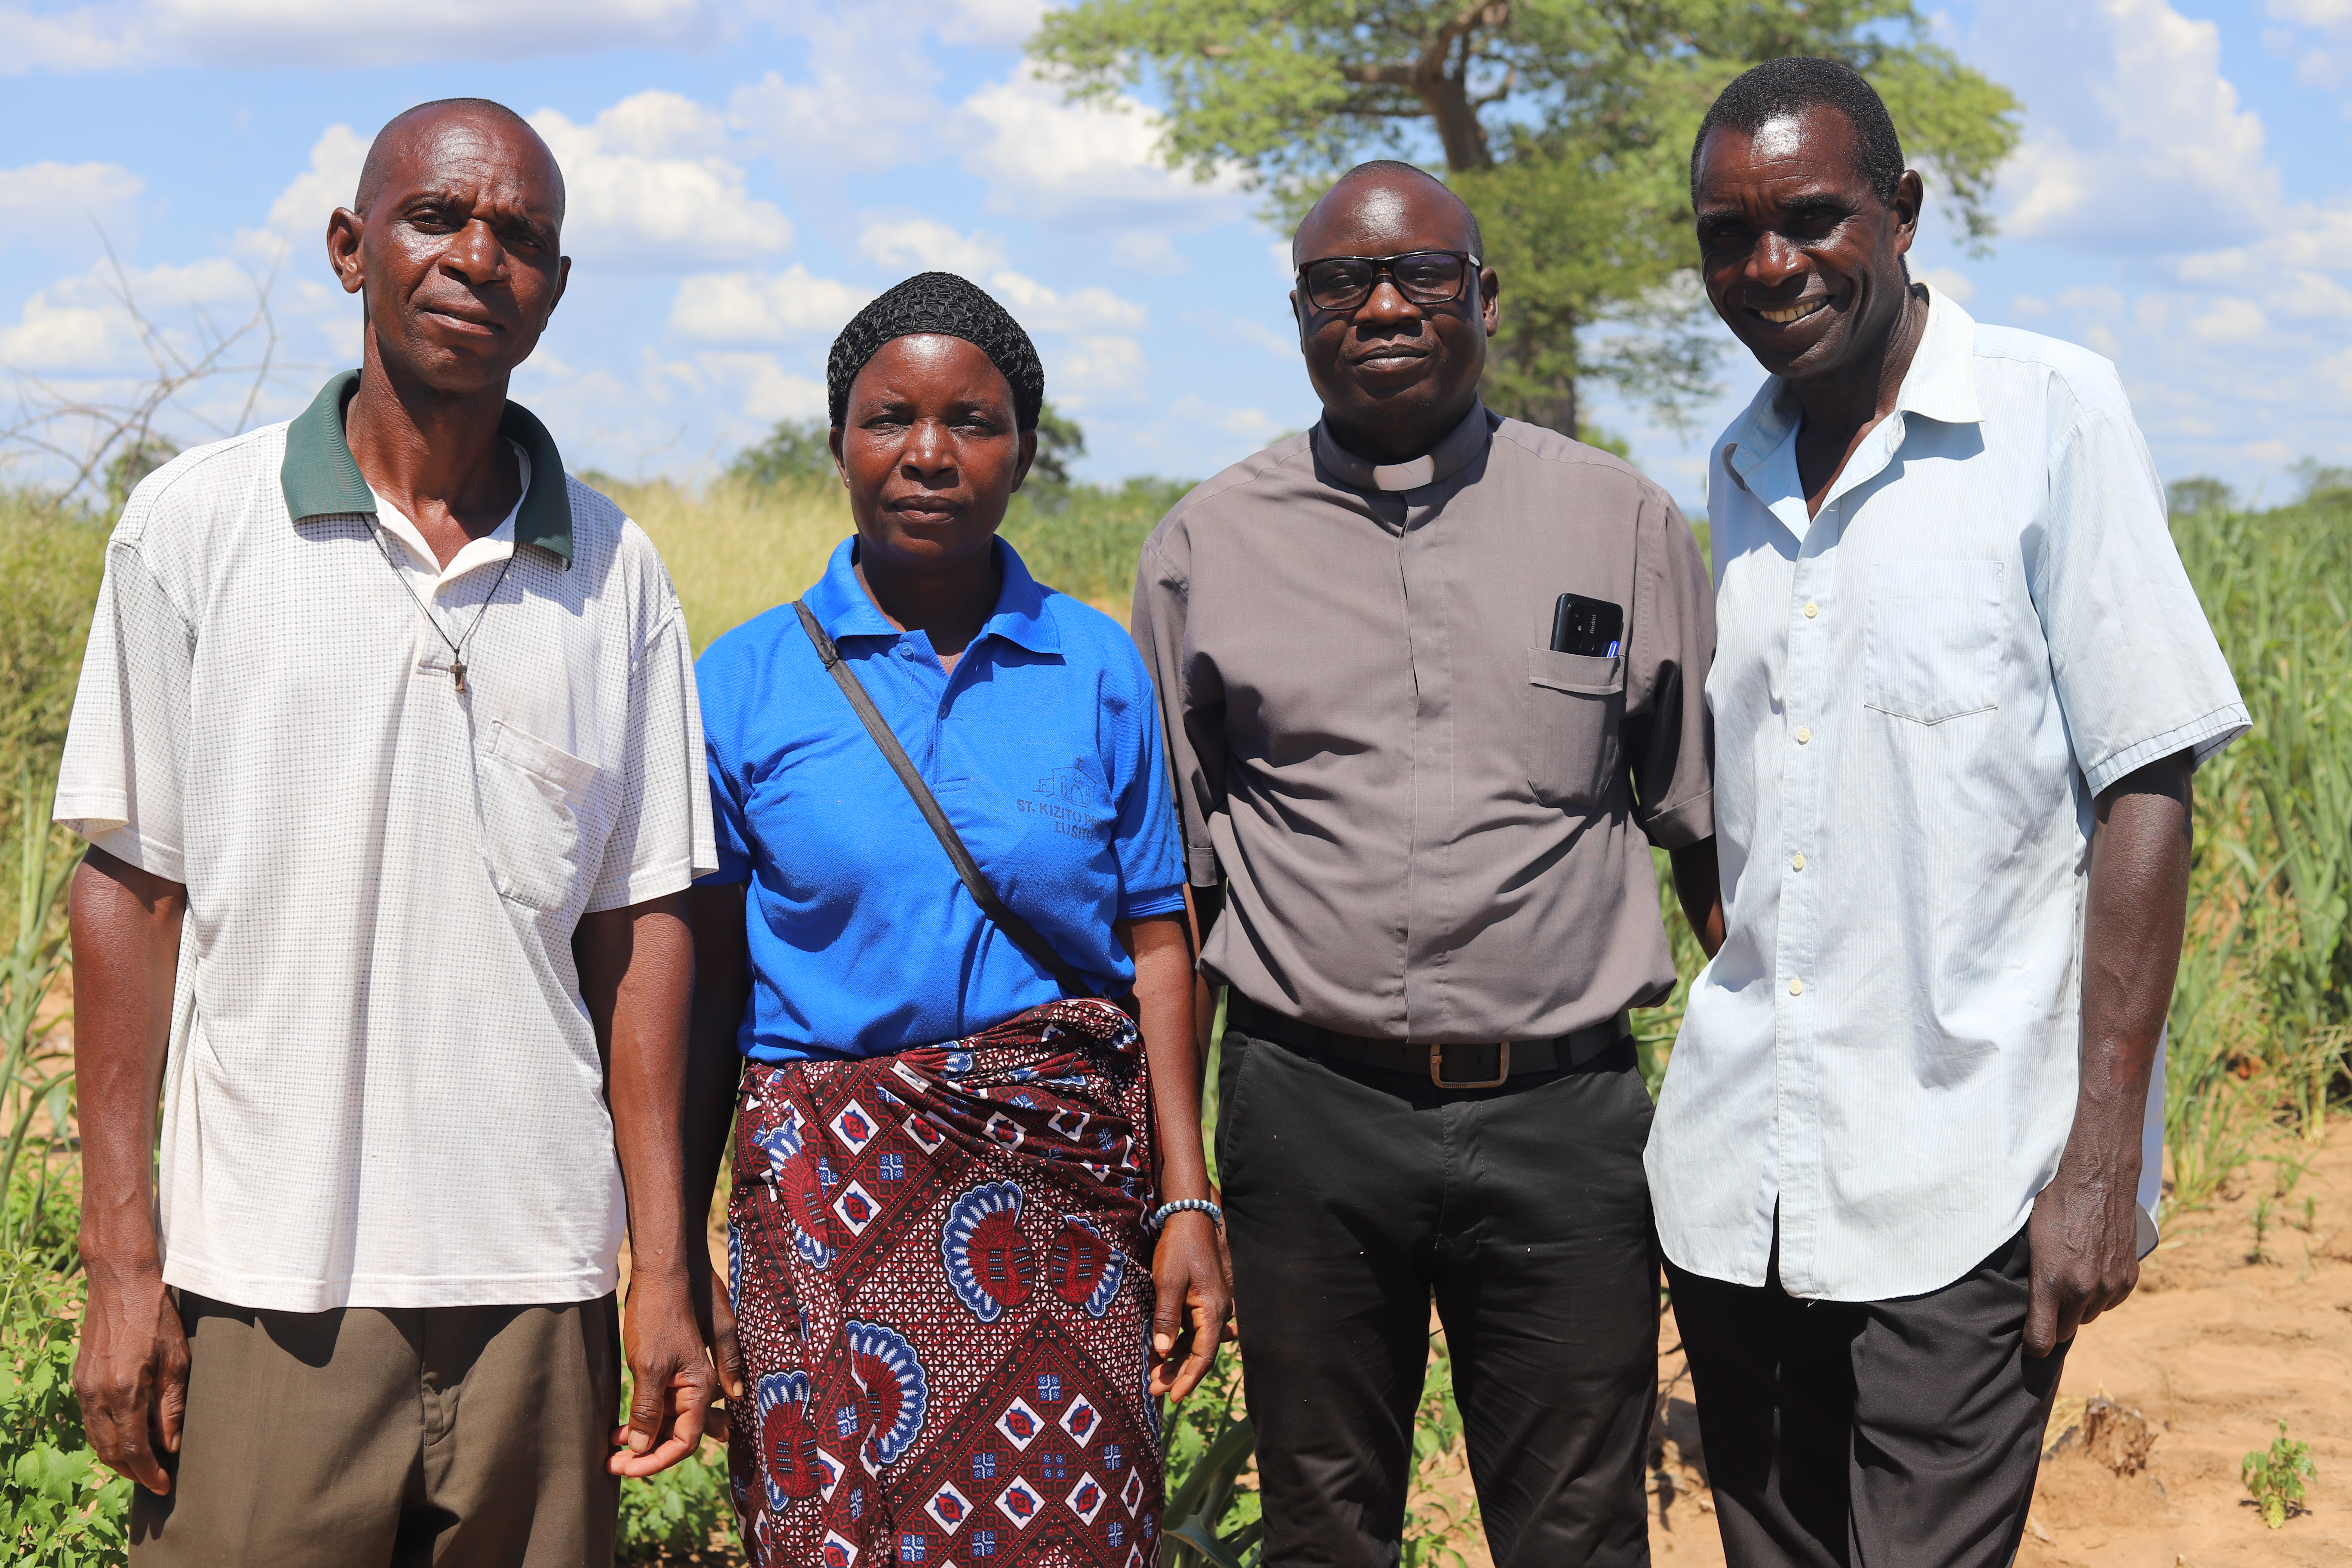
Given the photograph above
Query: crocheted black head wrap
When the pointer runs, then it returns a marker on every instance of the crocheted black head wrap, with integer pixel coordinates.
(953, 307)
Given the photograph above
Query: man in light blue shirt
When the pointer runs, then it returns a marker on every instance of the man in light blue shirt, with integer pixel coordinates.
(1961, 687)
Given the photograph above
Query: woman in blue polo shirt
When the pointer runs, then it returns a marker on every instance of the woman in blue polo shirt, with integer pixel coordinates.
(970, 1211)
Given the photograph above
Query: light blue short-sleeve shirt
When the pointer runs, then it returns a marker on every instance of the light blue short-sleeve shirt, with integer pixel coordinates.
(1043, 748)
(1916, 695)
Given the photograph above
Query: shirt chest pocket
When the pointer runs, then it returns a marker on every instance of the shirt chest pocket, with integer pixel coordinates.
(1576, 708)
(533, 797)
(1932, 644)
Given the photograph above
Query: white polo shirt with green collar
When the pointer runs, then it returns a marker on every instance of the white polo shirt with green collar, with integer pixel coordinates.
(384, 1088)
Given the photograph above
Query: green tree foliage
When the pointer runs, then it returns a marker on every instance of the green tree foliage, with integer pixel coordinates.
(794, 449)
(1565, 124)
(2199, 493)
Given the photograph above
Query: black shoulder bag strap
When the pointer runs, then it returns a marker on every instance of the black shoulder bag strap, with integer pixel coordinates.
(1025, 935)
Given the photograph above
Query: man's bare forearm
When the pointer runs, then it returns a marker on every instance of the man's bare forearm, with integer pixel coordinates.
(637, 976)
(126, 944)
(2085, 1222)
(2138, 904)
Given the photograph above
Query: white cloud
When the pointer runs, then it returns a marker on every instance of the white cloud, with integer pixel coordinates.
(763, 388)
(1149, 251)
(866, 103)
(762, 307)
(1250, 423)
(1042, 309)
(1282, 345)
(1104, 368)
(2127, 98)
(629, 207)
(245, 33)
(2331, 16)
(52, 204)
(1046, 157)
(1950, 281)
(302, 210)
(1002, 23)
(926, 245)
(81, 324)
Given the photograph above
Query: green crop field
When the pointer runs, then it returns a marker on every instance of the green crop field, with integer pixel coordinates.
(2260, 1022)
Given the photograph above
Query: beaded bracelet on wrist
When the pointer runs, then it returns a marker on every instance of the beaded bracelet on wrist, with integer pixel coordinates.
(1159, 1216)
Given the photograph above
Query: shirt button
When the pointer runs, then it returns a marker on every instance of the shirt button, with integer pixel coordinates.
(1811, 610)
(1796, 988)
(1797, 861)
(1804, 735)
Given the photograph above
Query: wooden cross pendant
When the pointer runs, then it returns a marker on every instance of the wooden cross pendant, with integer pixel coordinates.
(457, 669)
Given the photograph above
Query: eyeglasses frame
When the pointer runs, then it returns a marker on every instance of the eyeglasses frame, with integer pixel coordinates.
(1385, 267)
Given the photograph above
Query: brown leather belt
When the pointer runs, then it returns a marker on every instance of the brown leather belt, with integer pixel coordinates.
(1480, 1065)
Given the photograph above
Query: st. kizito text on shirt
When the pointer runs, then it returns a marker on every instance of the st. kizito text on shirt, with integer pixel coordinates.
(383, 1089)
(1433, 828)
(1041, 745)
(1918, 694)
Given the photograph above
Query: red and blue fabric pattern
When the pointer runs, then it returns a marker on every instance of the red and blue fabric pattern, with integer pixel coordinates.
(930, 1257)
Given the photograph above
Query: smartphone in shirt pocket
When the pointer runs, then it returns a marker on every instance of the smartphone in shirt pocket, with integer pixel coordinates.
(1576, 702)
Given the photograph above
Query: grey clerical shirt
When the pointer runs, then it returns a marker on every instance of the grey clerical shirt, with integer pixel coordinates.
(1433, 827)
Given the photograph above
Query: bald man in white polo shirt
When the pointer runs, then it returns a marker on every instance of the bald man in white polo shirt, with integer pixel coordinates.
(387, 751)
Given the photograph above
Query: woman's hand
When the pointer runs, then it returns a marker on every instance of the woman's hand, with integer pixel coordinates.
(1189, 1277)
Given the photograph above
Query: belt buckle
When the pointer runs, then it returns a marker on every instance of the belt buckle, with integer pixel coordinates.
(1502, 1068)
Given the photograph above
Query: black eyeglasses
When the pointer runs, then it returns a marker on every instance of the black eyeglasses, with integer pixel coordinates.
(1424, 276)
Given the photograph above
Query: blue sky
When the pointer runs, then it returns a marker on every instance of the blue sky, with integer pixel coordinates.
(743, 175)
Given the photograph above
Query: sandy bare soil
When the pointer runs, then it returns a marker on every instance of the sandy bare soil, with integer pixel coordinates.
(2215, 1348)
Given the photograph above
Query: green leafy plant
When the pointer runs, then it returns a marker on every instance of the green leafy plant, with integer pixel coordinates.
(2275, 1477)
(59, 1507)
(679, 1516)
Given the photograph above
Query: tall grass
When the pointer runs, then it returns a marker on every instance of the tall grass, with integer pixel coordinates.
(2259, 1021)
(736, 548)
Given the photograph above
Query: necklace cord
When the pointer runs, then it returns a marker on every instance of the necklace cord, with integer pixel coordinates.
(457, 649)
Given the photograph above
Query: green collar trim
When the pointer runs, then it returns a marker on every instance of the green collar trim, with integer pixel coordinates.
(320, 478)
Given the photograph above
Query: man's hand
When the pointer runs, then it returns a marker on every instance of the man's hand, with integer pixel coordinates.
(714, 1316)
(1188, 1271)
(674, 1380)
(2084, 1245)
(636, 974)
(131, 1375)
(2084, 1233)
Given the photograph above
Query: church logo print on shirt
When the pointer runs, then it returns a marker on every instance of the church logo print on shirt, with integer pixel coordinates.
(1071, 805)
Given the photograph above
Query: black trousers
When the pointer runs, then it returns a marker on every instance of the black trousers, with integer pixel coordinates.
(1351, 1197)
(1869, 1433)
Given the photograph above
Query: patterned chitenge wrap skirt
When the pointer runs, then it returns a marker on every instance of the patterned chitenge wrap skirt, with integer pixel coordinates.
(944, 1292)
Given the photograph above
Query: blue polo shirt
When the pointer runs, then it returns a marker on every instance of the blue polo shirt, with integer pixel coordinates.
(1043, 747)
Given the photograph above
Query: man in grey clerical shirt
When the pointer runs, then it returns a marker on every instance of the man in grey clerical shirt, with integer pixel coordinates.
(1418, 825)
